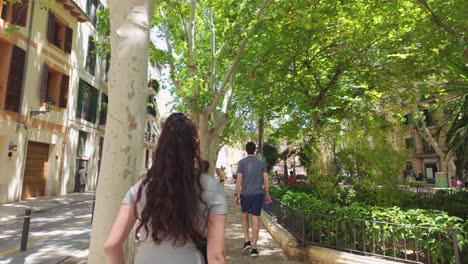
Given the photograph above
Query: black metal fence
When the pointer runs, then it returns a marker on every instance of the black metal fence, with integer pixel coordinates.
(291, 218)
(150, 137)
(430, 192)
(405, 243)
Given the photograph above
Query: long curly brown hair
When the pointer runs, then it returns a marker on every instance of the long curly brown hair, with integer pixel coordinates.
(172, 186)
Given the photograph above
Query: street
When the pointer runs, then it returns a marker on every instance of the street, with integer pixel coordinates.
(54, 235)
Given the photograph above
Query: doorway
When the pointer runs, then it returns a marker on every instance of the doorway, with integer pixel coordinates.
(431, 169)
(35, 172)
(79, 163)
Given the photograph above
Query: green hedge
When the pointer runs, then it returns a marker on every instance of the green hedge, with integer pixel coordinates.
(332, 223)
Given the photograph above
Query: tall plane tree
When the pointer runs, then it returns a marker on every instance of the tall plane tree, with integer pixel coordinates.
(205, 41)
(123, 145)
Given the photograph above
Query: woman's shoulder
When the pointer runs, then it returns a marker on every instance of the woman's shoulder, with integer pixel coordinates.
(209, 182)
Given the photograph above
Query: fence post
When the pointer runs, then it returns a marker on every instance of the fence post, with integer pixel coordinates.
(303, 227)
(25, 234)
(455, 246)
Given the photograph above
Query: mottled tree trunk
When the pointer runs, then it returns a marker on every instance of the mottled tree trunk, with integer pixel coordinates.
(128, 92)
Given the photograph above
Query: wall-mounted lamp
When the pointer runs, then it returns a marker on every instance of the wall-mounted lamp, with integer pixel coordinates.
(49, 104)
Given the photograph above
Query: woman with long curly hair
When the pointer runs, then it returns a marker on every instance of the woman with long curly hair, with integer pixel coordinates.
(175, 205)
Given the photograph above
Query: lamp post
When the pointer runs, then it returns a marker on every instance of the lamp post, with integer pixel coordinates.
(49, 104)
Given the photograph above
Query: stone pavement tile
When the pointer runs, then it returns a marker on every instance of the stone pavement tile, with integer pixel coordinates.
(270, 251)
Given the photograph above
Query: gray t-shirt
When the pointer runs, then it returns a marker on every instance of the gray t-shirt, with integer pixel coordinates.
(252, 169)
(148, 252)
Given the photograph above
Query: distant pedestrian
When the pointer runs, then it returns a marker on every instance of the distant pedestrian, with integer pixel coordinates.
(455, 183)
(276, 178)
(222, 175)
(420, 176)
(82, 173)
(292, 179)
(251, 176)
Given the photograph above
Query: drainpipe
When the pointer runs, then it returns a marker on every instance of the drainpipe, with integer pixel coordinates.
(20, 110)
(25, 72)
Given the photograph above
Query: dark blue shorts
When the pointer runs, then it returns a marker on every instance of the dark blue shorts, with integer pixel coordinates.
(252, 204)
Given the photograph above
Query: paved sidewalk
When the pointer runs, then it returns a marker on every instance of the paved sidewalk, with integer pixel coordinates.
(12, 210)
(270, 251)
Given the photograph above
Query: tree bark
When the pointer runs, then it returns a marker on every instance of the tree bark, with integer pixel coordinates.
(210, 138)
(130, 24)
(447, 164)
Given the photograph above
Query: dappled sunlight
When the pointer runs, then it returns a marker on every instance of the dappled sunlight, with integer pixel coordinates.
(270, 251)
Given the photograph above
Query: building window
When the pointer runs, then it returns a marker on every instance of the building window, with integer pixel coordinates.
(14, 81)
(409, 143)
(87, 102)
(105, 68)
(427, 147)
(429, 119)
(92, 8)
(82, 137)
(54, 85)
(59, 34)
(408, 119)
(91, 57)
(103, 110)
(409, 166)
(15, 14)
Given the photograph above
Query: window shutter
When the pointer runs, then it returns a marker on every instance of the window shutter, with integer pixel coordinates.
(51, 28)
(94, 102)
(68, 39)
(91, 58)
(15, 80)
(88, 7)
(44, 83)
(64, 84)
(19, 13)
(4, 11)
(79, 103)
(410, 119)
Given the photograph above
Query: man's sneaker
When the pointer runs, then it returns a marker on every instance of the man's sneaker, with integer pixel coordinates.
(254, 253)
(246, 246)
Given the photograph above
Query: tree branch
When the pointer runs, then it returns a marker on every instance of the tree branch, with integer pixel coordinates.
(324, 90)
(241, 48)
(436, 18)
(227, 95)
(219, 123)
(191, 38)
(213, 52)
(173, 74)
(180, 14)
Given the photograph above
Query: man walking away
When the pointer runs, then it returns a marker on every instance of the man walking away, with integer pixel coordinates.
(82, 172)
(251, 175)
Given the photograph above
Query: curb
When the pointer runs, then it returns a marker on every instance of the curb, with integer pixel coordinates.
(12, 217)
(313, 254)
(286, 240)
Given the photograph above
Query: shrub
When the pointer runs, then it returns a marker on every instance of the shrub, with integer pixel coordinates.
(338, 225)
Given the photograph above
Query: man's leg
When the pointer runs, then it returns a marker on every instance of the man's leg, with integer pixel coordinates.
(245, 226)
(255, 230)
(257, 203)
(246, 205)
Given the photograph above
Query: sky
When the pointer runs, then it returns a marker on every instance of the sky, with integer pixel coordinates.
(164, 97)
